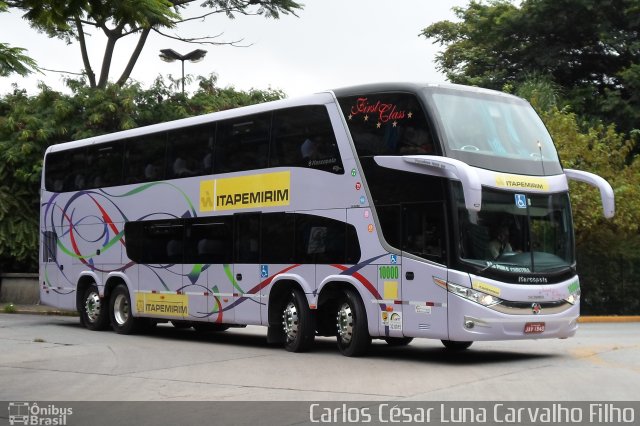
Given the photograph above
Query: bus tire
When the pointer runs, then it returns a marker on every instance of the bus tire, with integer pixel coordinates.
(456, 346)
(351, 321)
(94, 313)
(122, 319)
(297, 323)
(398, 341)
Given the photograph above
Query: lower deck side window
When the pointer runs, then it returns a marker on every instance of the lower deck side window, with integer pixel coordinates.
(243, 238)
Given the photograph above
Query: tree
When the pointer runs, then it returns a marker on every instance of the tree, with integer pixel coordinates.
(608, 251)
(13, 59)
(29, 124)
(589, 48)
(117, 19)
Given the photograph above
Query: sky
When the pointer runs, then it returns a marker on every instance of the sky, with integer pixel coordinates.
(331, 44)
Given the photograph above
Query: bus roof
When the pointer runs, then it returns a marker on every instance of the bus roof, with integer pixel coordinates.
(314, 99)
(319, 98)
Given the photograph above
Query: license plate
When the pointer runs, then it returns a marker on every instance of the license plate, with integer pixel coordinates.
(534, 327)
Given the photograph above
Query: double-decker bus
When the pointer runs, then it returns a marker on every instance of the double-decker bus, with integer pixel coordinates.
(387, 211)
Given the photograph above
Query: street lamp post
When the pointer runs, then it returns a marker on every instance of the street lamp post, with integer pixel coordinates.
(170, 55)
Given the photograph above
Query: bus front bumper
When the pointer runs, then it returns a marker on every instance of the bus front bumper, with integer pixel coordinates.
(469, 321)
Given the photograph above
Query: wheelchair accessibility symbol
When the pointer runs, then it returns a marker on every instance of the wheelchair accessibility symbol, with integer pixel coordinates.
(521, 201)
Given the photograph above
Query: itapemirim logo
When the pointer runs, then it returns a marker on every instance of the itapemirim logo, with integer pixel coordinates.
(30, 413)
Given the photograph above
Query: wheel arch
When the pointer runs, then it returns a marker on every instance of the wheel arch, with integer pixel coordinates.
(330, 292)
(278, 296)
(113, 281)
(85, 280)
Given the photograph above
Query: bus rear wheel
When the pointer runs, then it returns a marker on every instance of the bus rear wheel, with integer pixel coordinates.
(456, 346)
(297, 323)
(122, 319)
(94, 314)
(351, 321)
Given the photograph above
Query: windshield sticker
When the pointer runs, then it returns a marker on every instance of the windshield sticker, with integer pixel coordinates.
(521, 201)
(574, 287)
(513, 182)
(508, 268)
(381, 112)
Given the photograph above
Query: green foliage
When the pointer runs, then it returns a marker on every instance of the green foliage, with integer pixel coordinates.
(608, 251)
(30, 124)
(12, 59)
(589, 48)
(117, 19)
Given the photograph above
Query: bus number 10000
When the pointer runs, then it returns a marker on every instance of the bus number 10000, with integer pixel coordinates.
(389, 272)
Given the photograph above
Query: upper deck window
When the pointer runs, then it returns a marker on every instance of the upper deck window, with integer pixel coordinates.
(494, 132)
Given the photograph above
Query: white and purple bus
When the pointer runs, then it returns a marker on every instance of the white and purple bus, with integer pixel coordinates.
(387, 211)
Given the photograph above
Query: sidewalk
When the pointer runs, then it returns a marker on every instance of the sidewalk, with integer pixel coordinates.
(48, 310)
(34, 309)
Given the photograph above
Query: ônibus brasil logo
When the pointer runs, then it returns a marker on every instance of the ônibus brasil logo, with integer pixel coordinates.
(28, 413)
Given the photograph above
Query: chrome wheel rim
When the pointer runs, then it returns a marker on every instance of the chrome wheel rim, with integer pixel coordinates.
(121, 310)
(345, 323)
(92, 306)
(290, 321)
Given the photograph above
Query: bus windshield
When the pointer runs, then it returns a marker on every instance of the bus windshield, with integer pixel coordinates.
(516, 233)
(494, 132)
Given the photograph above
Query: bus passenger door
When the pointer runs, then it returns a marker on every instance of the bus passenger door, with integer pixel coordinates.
(207, 269)
(247, 274)
(423, 294)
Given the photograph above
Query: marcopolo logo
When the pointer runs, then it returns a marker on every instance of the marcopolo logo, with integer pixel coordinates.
(27, 413)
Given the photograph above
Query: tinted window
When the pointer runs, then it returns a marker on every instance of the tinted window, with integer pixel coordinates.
(321, 240)
(304, 137)
(247, 247)
(49, 246)
(209, 240)
(144, 158)
(277, 238)
(259, 238)
(243, 144)
(387, 124)
(160, 242)
(66, 170)
(104, 165)
(190, 151)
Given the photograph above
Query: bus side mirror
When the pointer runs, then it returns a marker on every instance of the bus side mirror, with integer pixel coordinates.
(445, 167)
(606, 192)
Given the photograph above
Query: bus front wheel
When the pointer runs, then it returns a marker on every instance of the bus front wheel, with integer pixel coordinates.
(297, 322)
(351, 320)
(94, 312)
(456, 346)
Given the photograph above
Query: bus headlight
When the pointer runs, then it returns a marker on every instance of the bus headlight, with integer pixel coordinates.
(483, 299)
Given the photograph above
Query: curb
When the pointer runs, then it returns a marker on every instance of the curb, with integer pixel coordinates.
(35, 310)
(609, 319)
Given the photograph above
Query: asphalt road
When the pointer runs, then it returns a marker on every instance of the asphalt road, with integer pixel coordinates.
(45, 358)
